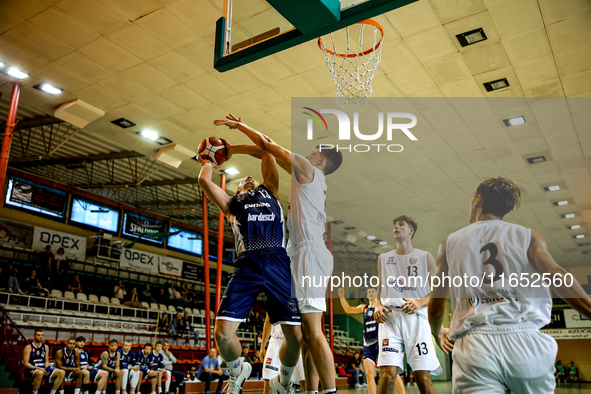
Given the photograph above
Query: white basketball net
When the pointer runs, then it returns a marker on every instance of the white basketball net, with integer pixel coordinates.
(353, 70)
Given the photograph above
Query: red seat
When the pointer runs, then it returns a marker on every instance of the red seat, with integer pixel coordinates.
(342, 373)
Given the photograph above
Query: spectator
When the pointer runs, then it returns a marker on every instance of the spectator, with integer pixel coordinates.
(244, 356)
(169, 360)
(573, 372)
(354, 368)
(258, 341)
(210, 370)
(173, 293)
(147, 295)
(559, 372)
(61, 262)
(257, 365)
(33, 287)
(133, 301)
(3, 280)
(75, 286)
(119, 291)
(187, 324)
(179, 324)
(164, 325)
(162, 298)
(13, 285)
(193, 373)
(183, 291)
(46, 258)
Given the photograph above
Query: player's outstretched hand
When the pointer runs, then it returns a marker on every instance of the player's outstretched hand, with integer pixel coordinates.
(203, 161)
(231, 121)
(341, 292)
(444, 341)
(380, 314)
(410, 306)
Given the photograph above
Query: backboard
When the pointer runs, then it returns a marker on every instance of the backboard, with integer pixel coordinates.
(252, 29)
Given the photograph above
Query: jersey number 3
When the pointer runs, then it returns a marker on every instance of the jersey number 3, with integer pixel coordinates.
(492, 260)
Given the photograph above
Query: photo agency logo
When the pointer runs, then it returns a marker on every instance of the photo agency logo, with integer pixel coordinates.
(355, 135)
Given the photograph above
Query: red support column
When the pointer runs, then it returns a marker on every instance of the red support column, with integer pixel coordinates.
(330, 311)
(206, 272)
(218, 278)
(10, 124)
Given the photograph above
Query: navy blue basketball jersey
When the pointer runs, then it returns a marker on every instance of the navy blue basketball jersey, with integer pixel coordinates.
(156, 361)
(84, 359)
(69, 360)
(112, 361)
(37, 357)
(258, 222)
(370, 327)
(143, 360)
(126, 360)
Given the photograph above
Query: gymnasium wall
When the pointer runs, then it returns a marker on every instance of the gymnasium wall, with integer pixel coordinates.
(577, 350)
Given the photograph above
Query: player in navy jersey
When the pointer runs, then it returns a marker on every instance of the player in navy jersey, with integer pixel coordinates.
(129, 371)
(144, 359)
(109, 362)
(262, 265)
(68, 359)
(36, 363)
(371, 346)
(157, 364)
(90, 373)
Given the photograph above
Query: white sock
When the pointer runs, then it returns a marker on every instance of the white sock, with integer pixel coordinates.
(76, 391)
(312, 392)
(235, 367)
(153, 392)
(159, 389)
(35, 391)
(285, 374)
(116, 392)
(61, 391)
(329, 391)
(52, 391)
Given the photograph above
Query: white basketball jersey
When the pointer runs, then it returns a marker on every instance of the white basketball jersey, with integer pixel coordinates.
(404, 276)
(306, 217)
(498, 248)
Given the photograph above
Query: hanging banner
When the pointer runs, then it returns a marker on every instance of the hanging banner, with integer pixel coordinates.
(191, 271)
(140, 260)
(574, 319)
(136, 225)
(171, 266)
(577, 333)
(16, 234)
(74, 246)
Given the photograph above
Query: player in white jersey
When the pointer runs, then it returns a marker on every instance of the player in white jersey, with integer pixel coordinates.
(371, 347)
(498, 346)
(306, 220)
(402, 308)
(270, 357)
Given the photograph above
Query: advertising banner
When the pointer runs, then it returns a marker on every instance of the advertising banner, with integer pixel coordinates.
(140, 260)
(16, 234)
(74, 246)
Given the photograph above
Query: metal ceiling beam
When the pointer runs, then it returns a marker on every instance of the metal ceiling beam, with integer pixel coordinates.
(163, 182)
(73, 160)
(37, 121)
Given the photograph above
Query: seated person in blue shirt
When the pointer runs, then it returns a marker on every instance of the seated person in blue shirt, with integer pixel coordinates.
(210, 370)
(144, 358)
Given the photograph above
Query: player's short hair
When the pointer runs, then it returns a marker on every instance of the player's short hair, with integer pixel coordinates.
(78, 339)
(410, 221)
(500, 195)
(158, 343)
(39, 330)
(127, 341)
(334, 159)
(113, 341)
(147, 344)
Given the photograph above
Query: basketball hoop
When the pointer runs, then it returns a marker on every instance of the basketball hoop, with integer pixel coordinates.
(354, 69)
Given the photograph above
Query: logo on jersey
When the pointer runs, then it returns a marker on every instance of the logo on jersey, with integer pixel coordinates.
(292, 305)
(473, 300)
(413, 261)
(385, 342)
(259, 205)
(391, 260)
(321, 217)
(399, 285)
(269, 360)
(261, 217)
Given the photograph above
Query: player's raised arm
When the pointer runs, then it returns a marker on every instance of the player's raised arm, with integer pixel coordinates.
(574, 295)
(213, 191)
(348, 308)
(285, 158)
